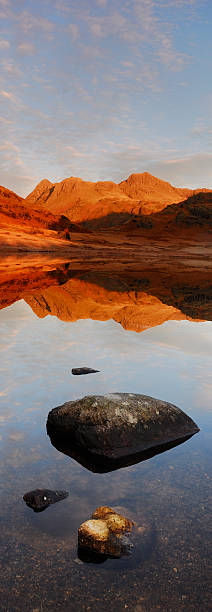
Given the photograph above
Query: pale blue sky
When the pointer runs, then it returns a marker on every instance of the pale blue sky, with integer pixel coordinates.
(103, 88)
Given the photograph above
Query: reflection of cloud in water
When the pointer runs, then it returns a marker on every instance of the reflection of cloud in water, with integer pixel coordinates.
(203, 396)
(12, 321)
(17, 436)
(162, 361)
(16, 312)
(186, 336)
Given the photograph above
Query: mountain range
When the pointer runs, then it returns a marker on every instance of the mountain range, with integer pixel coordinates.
(52, 212)
(84, 201)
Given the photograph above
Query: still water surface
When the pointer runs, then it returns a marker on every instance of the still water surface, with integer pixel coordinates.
(40, 568)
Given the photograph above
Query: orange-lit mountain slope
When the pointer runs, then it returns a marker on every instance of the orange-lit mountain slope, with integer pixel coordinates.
(84, 201)
(24, 228)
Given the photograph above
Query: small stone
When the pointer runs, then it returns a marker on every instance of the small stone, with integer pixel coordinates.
(93, 534)
(78, 561)
(141, 529)
(108, 535)
(80, 371)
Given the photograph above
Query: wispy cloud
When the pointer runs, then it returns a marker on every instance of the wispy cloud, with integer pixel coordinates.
(74, 152)
(5, 121)
(11, 68)
(76, 76)
(7, 95)
(189, 171)
(4, 44)
(73, 29)
(26, 48)
(27, 22)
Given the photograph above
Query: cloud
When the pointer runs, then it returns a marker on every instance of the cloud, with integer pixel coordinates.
(5, 121)
(14, 173)
(127, 64)
(102, 3)
(9, 146)
(190, 171)
(74, 152)
(26, 48)
(10, 67)
(62, 6)
(74, 31)
(4, 393)
(4, 44)
(17, 180)
(28, 22)
(193, 171)
(157, 30)
(7, 95)
(111, 75)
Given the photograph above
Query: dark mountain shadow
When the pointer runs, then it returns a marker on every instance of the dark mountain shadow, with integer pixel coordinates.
(192, 213)
(117, 220)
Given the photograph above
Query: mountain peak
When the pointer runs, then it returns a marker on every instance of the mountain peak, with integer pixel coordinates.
(39, 190)
(144, 179)
(147, 187)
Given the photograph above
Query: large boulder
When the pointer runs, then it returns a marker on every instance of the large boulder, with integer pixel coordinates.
(112, 429)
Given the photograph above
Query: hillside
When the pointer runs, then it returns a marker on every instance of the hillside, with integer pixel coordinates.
(25, 228)
(192, 215)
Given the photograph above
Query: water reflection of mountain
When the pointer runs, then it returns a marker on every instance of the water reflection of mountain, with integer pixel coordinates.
(137, 299)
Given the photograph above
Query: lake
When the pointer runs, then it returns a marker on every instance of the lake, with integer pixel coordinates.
(141, 343)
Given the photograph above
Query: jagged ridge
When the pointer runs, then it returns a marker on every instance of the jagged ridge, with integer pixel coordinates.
(84, 201)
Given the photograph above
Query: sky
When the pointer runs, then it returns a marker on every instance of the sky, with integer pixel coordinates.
(103, 88)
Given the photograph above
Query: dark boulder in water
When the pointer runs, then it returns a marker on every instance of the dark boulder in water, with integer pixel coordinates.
(80, 371)
(40, 499)
(109, 431)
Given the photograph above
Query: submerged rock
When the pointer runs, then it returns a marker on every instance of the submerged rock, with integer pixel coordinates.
(106, 533)
(80, 371)
(40, 499)
(114, 430)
